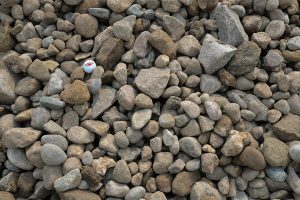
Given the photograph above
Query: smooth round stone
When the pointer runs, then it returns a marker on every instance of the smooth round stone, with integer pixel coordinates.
(294, 151)
(89, 66)
(52, 154)
(18, 158)
(253, 158)
(213, 110)
(276, 174)
(135, 193)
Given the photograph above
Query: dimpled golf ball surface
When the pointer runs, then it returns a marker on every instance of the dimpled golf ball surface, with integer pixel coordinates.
(89, 66)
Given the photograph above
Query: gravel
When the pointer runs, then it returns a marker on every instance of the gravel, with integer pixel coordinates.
(189, 99)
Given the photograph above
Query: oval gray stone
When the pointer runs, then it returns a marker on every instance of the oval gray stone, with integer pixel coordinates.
(52, 154)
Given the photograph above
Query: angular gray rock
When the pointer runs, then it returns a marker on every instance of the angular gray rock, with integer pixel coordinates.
(230, 28)
(209, 84)
(69, 181)
(52, 103)
(174, 27)
(103, 100)
(214, 54)
(123, 29)
(153, 81)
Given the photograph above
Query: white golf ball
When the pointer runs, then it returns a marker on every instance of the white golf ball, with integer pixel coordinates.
(89, 66)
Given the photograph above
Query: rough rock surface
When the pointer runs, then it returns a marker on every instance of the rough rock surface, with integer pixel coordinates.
(188, 99)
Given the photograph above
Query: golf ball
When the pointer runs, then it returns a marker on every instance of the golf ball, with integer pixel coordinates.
(89, 66)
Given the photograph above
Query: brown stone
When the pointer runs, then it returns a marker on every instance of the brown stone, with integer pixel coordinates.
(86, 4)
(288, 128)
(110, 53)
(161, 41)
(6, 40)
(276, 152)
(86, 25)
(292, 56)
(164, 182)
(78, 195)
(253, 158)
(226, 78)
(6, 196)
(38, 70)
(7, 89)
(76, 93)
(25, 184)
(183, 182)
(90, 175)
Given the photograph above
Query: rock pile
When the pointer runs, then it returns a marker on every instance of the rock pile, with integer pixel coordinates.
(190, 99)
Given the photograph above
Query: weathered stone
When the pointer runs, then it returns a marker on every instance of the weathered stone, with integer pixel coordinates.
(253, 158)
(20, 137)
(230, 28)
(161, 41)
(214, 54)
(121, 172)
(76, 93)
(202, 190)
(69, 181)
(103, 100)
(79, 195)
(126, 96)
(245, 59)
(98, 127)
(86, 25)
(276, 152)
(288, 128)
(153, 81)
(190, 146)
(7, 89)
(174, 27)
(110, 52)
(79, 135)
(119, 6)
(183, 182)
(6, 40)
